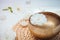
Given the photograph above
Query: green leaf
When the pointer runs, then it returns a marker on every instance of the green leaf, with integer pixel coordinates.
(10, 8)
(5, 9)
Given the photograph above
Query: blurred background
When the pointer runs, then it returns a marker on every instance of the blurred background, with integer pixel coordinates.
(20, 9)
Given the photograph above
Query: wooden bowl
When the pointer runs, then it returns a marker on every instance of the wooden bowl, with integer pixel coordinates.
(46, 30)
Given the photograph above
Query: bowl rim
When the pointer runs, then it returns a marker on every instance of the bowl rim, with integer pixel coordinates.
(47, 13)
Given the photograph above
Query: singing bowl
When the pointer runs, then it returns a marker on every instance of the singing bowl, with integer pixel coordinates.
(46, 30)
